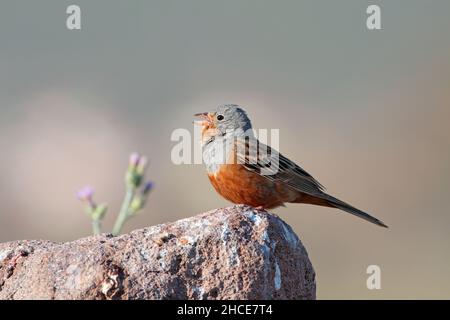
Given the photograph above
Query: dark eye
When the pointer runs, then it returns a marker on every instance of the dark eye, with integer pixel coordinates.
(220, 117)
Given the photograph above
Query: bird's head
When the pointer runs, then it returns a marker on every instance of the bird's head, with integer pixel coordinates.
(224, 119)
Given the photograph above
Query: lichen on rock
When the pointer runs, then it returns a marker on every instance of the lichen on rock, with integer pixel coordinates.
(231, 253)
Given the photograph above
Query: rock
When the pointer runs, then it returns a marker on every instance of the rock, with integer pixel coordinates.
(230, 253)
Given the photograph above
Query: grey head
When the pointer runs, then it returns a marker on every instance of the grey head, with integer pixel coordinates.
(231, 117)
(231, 121)
(227, 118)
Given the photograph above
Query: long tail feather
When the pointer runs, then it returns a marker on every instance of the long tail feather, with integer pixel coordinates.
(332, 201)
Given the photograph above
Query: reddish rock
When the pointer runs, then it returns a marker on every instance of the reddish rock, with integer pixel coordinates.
(231, 253)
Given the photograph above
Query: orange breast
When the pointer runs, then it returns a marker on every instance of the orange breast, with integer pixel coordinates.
(241, 186)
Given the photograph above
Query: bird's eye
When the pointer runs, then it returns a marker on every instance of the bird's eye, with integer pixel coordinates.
(220, 117)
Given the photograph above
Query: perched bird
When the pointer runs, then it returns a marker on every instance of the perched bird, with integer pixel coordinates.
(245, 171)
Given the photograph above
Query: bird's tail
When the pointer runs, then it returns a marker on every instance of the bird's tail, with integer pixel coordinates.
(336, 203)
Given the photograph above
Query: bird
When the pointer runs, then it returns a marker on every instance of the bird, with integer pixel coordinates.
(245, 171)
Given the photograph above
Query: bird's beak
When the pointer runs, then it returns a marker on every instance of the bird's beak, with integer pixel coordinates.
(206, 118)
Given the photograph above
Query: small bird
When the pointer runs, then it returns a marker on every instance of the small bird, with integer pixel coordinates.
(246, 171)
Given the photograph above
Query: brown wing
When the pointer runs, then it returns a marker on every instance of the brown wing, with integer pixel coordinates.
(271, 164)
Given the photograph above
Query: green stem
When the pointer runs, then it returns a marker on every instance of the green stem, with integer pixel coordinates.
(123, 214)
(96, 226)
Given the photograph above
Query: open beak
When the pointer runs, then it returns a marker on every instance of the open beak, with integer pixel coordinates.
(206, 118)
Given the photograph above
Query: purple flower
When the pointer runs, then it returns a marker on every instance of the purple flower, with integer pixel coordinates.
(134, 159)
(148, 187)
(85, 193)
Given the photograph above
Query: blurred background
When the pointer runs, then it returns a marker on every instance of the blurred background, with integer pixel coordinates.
(365, 112)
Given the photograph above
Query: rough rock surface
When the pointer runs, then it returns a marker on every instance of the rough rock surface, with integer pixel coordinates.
(230, 253)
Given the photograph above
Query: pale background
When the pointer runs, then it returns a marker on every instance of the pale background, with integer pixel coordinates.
(365, 112)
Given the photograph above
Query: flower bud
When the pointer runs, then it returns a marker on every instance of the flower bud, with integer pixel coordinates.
(136, 205)
(134, 160)
(86, 194)
(142, 165)
(148, 187)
